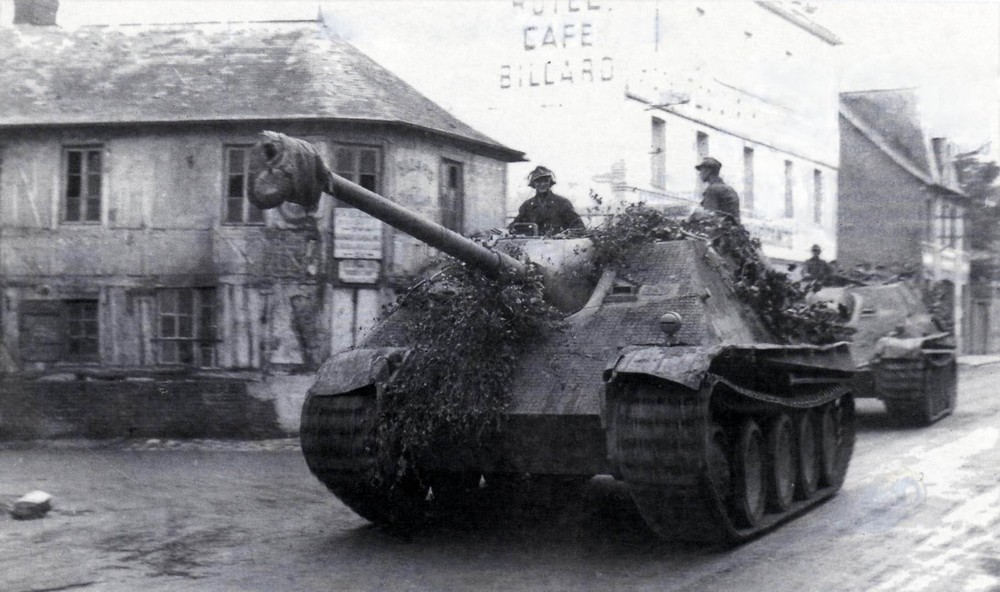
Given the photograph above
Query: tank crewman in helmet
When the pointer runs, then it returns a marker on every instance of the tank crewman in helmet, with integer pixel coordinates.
(552, 213)
(815, 267)
(718, 197)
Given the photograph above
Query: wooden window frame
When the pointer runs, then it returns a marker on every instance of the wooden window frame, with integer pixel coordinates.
(236, 207)
(452, 217)
(789, 190)
(195, 344)
(86, 207)
(818, 197)
(658, 153)
(82, 327)
(71, 327)
(357, 170)
(749, 164)
(702, 147)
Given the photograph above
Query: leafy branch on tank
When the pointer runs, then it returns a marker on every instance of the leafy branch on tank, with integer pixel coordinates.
(467, 332)
(780, 302)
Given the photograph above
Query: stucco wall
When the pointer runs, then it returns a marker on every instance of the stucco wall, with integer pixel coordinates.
(881, 205)
(281, 300)
(782, 237)
(736, 71)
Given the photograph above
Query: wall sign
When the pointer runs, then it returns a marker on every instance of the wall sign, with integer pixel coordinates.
(560, 41)
(358, 271)
(356, 235)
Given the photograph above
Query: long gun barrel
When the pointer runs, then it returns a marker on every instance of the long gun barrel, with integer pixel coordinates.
(420, 228)
(288, 169)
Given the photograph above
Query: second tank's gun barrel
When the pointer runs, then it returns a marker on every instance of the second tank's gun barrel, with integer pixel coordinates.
(420, 228)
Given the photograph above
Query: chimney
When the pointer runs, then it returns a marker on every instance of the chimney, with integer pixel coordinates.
(36, 12)
(938, 146)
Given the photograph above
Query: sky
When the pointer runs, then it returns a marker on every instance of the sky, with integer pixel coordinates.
(949, 50)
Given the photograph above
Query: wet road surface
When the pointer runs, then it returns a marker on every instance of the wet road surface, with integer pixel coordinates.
(920, 511)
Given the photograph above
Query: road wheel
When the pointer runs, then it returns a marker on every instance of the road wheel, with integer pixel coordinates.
(749, 494)
(780, 446)
(836, 440)
(720, 470)
(807, 456)
(829, 435)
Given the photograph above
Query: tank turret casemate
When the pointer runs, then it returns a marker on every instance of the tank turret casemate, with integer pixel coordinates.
(661, 377)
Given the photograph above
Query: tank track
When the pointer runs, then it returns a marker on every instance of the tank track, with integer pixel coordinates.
(668, 444)
(335, 435)
(917, 391)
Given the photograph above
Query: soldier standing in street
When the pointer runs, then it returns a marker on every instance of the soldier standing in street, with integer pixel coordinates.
(718, 197)
(550, 212)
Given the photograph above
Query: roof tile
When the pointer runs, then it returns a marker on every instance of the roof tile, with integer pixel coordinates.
(205, 72)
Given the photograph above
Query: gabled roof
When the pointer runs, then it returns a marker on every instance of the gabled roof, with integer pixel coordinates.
(890, 119)
(292, 70)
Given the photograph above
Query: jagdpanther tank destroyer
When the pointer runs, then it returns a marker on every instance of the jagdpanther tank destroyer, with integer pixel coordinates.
(661, 377)
(904, 357)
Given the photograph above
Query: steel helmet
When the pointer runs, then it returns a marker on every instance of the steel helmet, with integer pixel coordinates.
(539, 173)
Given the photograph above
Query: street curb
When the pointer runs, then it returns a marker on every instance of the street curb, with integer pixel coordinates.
(980, 362)
(155, 444)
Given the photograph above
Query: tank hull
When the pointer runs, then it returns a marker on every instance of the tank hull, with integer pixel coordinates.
(668, 470)
(662, 378)
(902, 357)
(718, 436)
(917, 391)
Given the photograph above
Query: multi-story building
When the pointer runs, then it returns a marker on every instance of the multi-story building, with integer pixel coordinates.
(901, 207)
(127, 242)
(623, 99)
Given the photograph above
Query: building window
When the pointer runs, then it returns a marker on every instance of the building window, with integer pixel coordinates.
(950, 227)
(238, 209)
(82, 185)
(929, 221)
(701, 147)
(186, 323)
(81, 330)
(452, 200)
(789, 197)
(359, 164)
(701, 144)
(658, 154)
(748, 182)
(59, 331)
(817, 196)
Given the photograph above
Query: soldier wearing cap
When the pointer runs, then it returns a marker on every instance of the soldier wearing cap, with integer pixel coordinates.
(718, 197)
(550, 212)
(815, 267)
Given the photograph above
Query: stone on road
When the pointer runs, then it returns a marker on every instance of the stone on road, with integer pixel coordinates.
(34, 504)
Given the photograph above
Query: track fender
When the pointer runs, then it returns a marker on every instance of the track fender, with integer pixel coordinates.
(352, 369)
(912, 348)
(683, 365)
